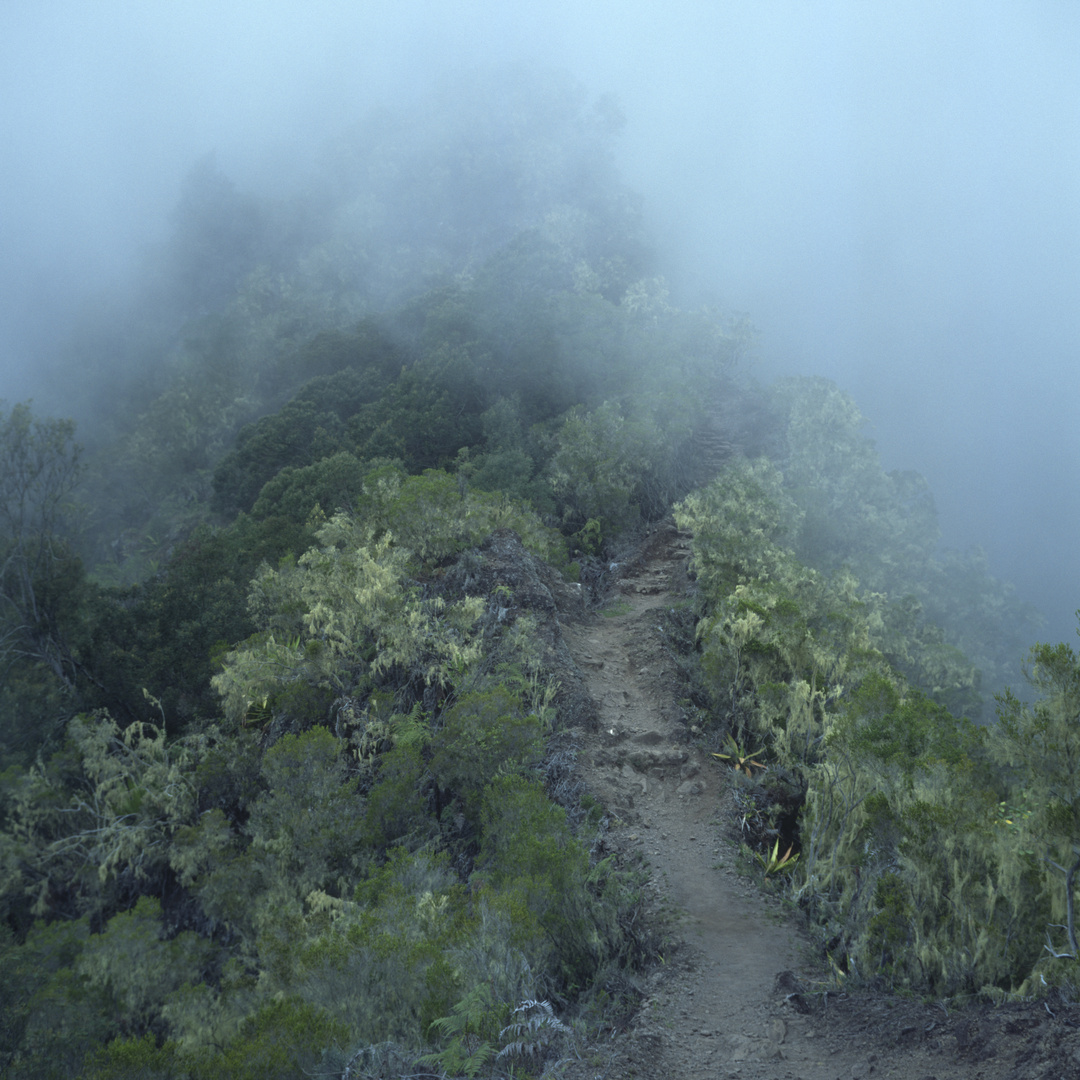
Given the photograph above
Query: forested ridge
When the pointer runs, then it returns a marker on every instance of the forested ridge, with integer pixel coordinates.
(285, 786)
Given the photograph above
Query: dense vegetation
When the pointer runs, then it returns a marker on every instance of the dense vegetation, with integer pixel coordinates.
(285, 782)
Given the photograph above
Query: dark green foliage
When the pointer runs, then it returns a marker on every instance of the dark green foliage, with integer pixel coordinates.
(888, 934)
(601, 462)
(301, 833)
(284, 1039)
(52, 1014)
(512, 458)
(307, 429)
(167, 634)
(298, 435)
(430, 412)
(302, 565)
(903, 732)
(138, 970)
(365, 348)
(435, 515)
(42, 583)
(1040, 742)
(486, 733)
(395, 812)
(34, 705)
(135, 1058)
(301, 772)
(392, 961)
(333, 483)
(530, 855)
(469, 1033)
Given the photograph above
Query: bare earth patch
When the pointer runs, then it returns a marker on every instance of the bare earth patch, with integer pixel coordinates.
(742, 993)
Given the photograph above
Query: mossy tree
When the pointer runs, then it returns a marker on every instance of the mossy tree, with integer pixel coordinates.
(1040, 743)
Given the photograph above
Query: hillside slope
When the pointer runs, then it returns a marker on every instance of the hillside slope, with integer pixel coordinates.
(743, 991)
(302, 704)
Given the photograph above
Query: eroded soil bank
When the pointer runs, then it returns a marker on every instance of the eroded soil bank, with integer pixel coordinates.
(742, 992)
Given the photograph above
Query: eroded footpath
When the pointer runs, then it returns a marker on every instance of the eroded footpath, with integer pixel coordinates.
(741, 994)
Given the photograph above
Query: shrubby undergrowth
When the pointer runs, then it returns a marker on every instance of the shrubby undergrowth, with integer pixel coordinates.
(278, 699)
(927, 851)
(361, 850)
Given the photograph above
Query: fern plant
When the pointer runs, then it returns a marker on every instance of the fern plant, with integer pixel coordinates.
(471, 1029)
(533, 1028)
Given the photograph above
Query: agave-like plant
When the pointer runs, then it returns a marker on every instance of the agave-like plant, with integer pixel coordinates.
(742, 760)
(774, 862)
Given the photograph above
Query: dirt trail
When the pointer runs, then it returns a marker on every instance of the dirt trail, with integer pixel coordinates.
(740, 995)
(715, 1011)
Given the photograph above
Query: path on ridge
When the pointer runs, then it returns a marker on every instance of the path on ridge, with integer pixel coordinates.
(716, 1008)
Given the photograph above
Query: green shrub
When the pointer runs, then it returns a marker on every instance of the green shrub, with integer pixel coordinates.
(136, 1058)
(286, 1038)
(390, 961)
(134, 963)
(529, 855)
(50, 1016)
(484, 734)
(341, 616)
(395, 810)
(331, 484)
(600, 465)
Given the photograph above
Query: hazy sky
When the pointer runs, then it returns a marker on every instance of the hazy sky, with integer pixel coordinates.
(892, 191)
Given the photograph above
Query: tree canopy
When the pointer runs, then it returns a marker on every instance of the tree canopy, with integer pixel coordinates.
(280, 720)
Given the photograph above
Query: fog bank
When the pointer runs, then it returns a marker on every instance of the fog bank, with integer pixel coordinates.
(891, 192)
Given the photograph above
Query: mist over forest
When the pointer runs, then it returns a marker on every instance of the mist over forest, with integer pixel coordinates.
(891, 196)
(347, 349)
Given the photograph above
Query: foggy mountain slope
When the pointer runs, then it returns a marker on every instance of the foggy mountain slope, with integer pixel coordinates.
(388, 207)
(546, 370)
(890, 193)
(308, 753)
(335, 831)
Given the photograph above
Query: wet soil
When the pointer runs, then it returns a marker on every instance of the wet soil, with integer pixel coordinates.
(742, 992)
